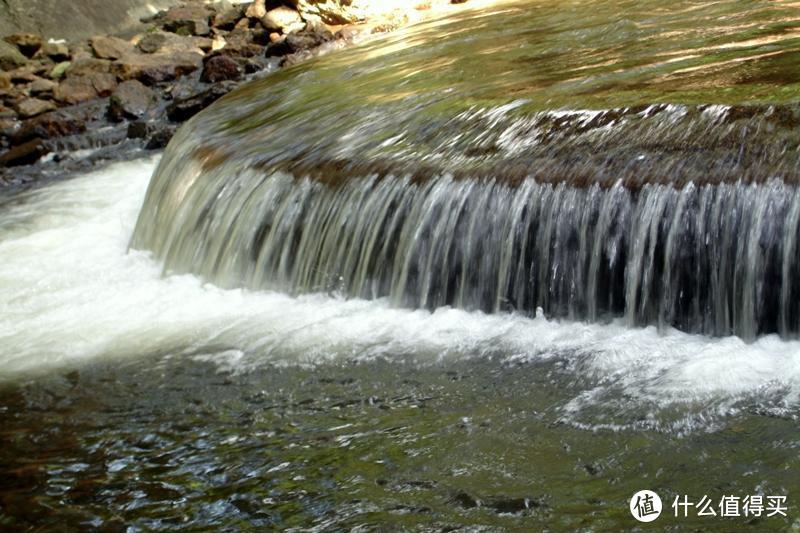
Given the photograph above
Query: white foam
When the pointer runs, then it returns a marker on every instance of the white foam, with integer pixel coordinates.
(69, 291)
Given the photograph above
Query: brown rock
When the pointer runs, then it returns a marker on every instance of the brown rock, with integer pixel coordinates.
(76, 89)
(31, 107)
(155, 68)
(42, 86)
(87, 66)
(220, 68)
(27, 43)
(283, 19)
(24, 154)
(6, 114)
(58, 52)
(24, 74)
(10, 56)
(104, 84)
(110, 47)
(300, 41)
(188, 20)
(49, 126)
(131, 100)
(227, 19)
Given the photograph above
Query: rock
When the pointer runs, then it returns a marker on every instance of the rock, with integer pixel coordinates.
(60, 70)
(283, 19)
(31, 107)
(10, 57)
(151, 43)
(76, 89)
(7, 114)
(302, 40)
(241, 51)
(27, 43)
(42, 86)
(131, 100)
(160, 138)
(87, 66)
(24, 154)
(221, 68)
(256, 10)
(48, 126)
(188, 20)
(226, 20)
(22, 75)
(138, 130)
(110, 47)
(104, 84)
(155, 68)
(329, 12)
(202, 43)
(58, 52)
(185, 108)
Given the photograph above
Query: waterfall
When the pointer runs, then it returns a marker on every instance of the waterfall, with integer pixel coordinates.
(711, 255)
(478, 164)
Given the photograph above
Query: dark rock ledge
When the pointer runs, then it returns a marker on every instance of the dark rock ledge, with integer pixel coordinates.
(115, 97)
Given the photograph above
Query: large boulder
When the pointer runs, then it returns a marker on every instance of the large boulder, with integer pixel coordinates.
(131, 100)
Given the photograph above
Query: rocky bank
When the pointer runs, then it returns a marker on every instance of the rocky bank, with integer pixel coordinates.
(65, 106)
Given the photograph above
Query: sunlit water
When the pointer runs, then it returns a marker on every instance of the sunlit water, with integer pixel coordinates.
(130, 397)
(134, 394)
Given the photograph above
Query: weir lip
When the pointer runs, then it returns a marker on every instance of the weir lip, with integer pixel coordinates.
(665, 144)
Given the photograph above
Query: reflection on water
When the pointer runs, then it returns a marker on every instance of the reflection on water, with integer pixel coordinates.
(174, 443)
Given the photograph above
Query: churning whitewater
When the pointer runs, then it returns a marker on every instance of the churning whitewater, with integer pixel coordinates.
(71, 292)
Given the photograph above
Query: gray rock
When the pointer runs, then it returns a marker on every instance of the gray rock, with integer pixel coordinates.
(131, 100)
(151, 42)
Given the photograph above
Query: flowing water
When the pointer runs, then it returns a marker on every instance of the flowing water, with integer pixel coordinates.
(500, 270)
